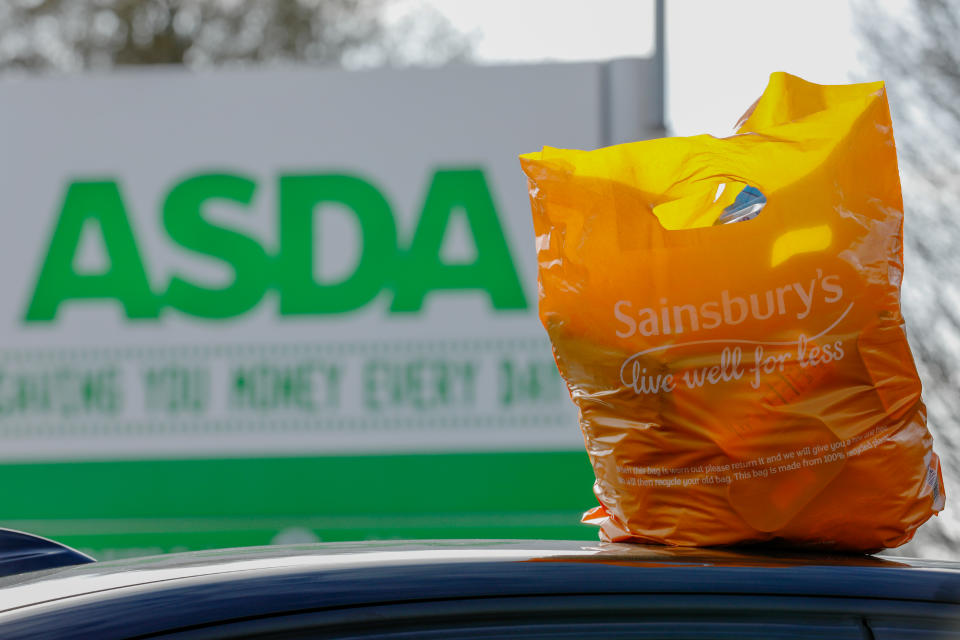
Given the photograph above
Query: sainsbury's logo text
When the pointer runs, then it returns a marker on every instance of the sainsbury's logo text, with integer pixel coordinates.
(793, 299)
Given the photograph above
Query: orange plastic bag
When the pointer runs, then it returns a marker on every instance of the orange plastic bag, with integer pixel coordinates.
(741, 382)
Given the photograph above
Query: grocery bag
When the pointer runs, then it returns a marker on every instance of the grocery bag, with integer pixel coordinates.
(726, 315)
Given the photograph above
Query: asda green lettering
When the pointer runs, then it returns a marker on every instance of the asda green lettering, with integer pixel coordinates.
(422, 270)
(185, 224)
(412, 274)
(124, 280)
(300, 196)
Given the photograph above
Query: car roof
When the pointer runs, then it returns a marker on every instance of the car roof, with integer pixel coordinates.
(472, 568)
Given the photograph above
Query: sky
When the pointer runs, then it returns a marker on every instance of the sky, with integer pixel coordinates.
(719, 54)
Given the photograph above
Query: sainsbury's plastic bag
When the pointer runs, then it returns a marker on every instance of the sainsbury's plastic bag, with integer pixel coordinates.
(726, 314)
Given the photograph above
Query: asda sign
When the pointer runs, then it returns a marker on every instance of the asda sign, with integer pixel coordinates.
(216, 272)
(412, 272)
(248, 302)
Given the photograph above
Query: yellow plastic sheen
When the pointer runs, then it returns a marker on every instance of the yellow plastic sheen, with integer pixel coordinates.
(741, 382)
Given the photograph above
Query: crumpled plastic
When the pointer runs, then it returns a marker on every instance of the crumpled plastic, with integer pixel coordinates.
(726, 315)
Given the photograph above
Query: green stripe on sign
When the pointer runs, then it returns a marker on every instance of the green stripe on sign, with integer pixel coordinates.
(153, 506)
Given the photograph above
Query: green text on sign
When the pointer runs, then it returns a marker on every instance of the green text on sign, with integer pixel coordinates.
(411, 272)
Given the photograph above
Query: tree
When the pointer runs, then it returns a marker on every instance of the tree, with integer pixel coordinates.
(915, 49)
(71, 35)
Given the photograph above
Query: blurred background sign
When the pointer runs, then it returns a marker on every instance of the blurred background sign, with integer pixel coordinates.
(247, 304)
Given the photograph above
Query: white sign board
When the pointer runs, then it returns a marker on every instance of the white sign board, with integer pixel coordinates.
(283, 262)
